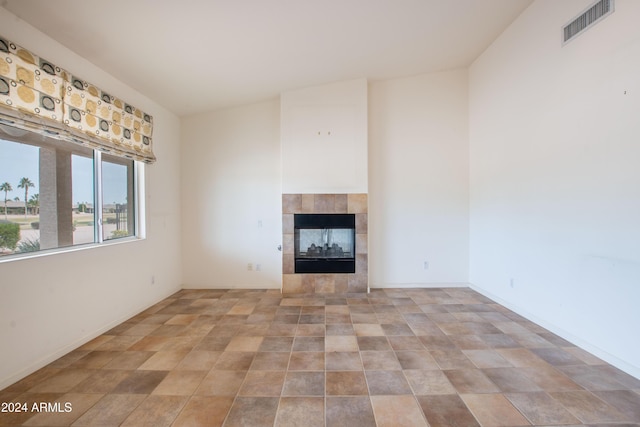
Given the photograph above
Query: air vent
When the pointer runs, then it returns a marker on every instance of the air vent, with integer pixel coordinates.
(587, 19)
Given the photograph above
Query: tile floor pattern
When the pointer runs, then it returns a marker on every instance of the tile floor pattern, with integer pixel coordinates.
(412, 357)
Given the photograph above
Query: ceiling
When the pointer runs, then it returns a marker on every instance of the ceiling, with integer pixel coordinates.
(192, 56)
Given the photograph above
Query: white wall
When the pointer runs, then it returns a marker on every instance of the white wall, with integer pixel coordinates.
(555, 176)
(231, 198)
(51, 304)
(418, 180)
(324, 138)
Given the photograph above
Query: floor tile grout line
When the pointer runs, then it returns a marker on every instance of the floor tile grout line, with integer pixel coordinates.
(554, 367)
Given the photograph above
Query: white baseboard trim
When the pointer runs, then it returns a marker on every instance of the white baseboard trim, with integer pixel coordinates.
(220, 287)
(420, 285)
(585, 345)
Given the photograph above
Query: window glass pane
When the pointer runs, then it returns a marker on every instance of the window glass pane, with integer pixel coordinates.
(46, 174)
(18, 228)
(83, 209)
(117, 198)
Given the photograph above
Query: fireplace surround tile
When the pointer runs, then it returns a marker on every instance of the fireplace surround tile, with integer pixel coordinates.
(362, 262)
(362, 243)
(362, 223)
(308, 283)
(357, 283)
(340, 204)
(288, 263)
(357, 203)
(308, 204)
(341, 285)
(288, 244)
(287, 221)
(325, 283)
(292, 283)
(324, 203)
(291, 203)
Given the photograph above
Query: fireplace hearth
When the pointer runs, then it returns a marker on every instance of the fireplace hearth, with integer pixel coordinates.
(324, 243)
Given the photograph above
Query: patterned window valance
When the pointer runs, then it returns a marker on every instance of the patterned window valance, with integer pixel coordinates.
(39, 96)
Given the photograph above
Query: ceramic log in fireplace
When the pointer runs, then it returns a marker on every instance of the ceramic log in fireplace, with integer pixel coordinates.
(324, 243)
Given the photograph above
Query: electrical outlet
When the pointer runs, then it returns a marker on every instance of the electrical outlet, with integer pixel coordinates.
(249, 267)
(425, 265)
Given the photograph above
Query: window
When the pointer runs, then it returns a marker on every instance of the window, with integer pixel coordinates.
(117, 198)
(57, 194)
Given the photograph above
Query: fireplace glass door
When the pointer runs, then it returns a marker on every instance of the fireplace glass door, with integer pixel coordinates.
(324, 243)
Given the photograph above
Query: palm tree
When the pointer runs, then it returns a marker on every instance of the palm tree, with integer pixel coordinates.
(34, 202)
(25, 183)
(6, 187)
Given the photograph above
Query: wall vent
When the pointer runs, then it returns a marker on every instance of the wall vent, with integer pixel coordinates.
(587, 19)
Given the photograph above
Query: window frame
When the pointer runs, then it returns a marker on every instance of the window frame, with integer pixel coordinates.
(138, 199)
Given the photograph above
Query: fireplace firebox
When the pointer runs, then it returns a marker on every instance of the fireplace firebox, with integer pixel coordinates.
(325, 243)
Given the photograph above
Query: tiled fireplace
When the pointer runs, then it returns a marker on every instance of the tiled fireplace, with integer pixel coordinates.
(327, 208)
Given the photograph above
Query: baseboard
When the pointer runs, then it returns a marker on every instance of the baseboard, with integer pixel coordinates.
(44, 361)
(223, 287)
(420, 285)
(585, 345)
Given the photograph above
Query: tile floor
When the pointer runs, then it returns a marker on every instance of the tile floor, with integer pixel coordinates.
(412, 357)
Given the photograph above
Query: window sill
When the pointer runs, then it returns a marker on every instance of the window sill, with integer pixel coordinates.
(78, 248)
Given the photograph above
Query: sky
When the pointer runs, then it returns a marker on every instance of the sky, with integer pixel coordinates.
(22, 160)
